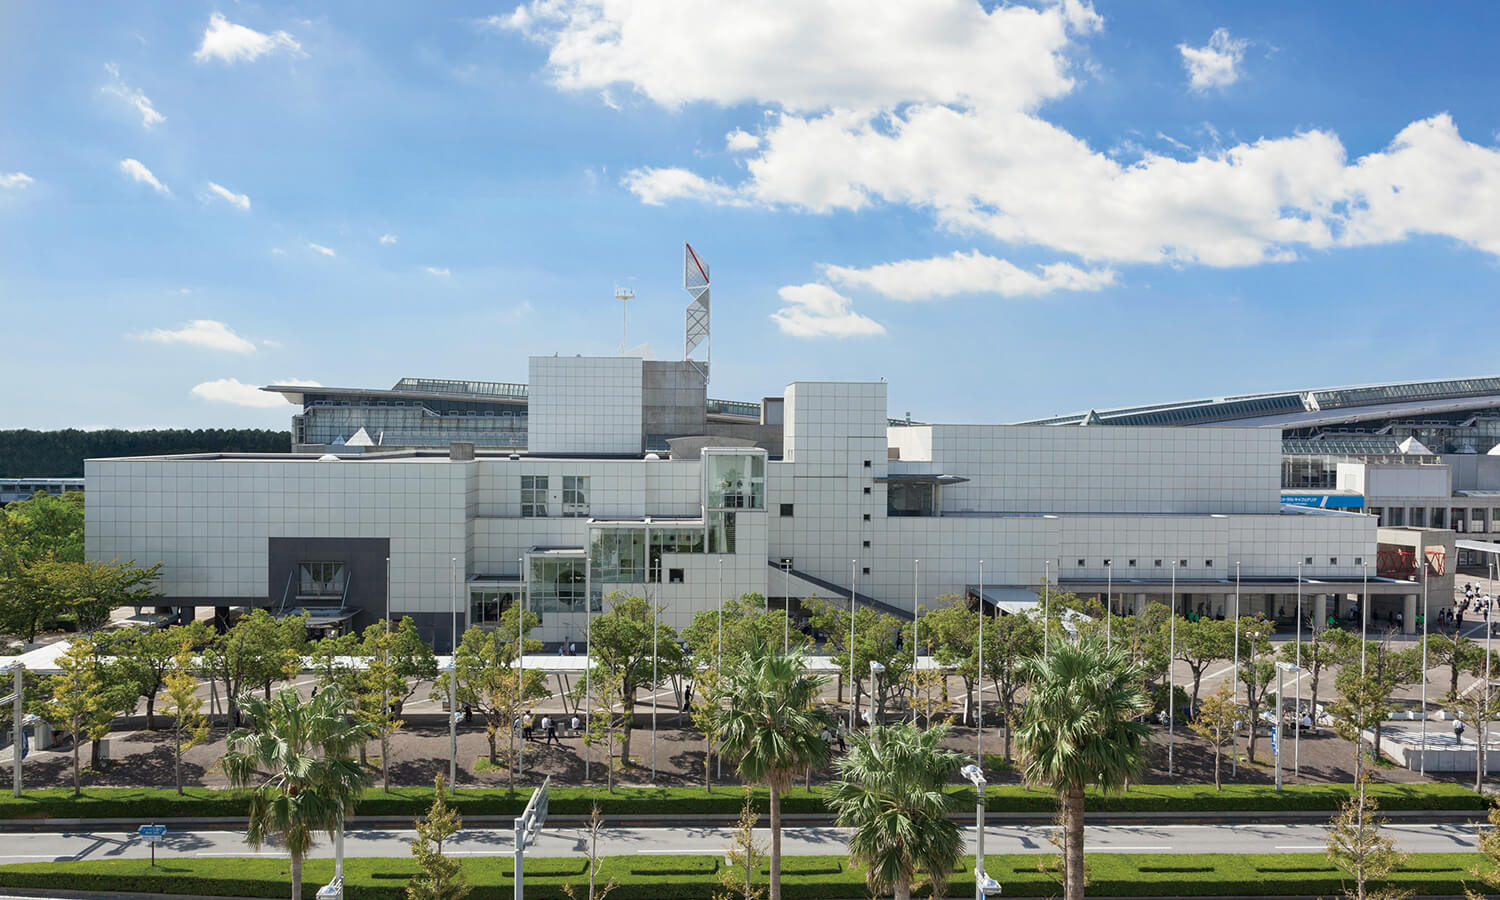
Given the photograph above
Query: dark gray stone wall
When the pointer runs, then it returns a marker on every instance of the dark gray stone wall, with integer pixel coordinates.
(364, 567)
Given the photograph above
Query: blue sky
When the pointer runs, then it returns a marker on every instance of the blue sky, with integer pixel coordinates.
(1006, 212)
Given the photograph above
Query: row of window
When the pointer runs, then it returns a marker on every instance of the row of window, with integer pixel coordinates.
(1458, 518)
(571, 503)
(1207, 563)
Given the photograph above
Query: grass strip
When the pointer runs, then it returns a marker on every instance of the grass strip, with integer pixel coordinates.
(145, 804)
(805, 878)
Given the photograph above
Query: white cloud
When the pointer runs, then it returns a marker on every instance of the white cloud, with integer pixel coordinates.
(205, 333)
(319, 248)
(138, 172)
(240, 200)
(739, 140)
(231, 43)
(132, 96)
(14, 180)
(657, 186)
(967, 273)
(1216, 64)
(231, 390)
(387, 238)
(277, 251)
(858, 54)
(817, 310)
(273, 344)
(434, 270)
(937, 107)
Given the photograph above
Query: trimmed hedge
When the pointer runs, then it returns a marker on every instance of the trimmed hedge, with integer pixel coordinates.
(806, 878)
(145, 804)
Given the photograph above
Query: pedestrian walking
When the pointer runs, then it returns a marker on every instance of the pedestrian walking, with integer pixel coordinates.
(838, 735)
(528, 726)
(572, 648)
(549, 727)
(1458, 729)
(575, 726)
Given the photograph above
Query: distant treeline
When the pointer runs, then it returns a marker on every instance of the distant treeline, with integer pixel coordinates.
(60, 454)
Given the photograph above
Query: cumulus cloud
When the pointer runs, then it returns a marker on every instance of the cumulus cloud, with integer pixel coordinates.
(1216, 64)
(14, 180)
(132, 97)
(739, 140)
(239, 200)
(319, 248)
(206, 333)
(656, 186)
(231, 390)
(937, 107)
(387, 238)
(230, 43)
(817, 310)
(967, 273)
(435, 271)
(138, 172)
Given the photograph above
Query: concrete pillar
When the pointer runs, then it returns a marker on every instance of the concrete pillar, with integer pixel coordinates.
(1409, 614)
(1320, 609)
(1140, 604)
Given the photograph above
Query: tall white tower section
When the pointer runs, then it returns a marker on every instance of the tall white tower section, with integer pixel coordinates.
(695, 282)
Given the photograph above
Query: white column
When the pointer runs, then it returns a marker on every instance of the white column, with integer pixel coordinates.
(1409, 614)
(1140, 604)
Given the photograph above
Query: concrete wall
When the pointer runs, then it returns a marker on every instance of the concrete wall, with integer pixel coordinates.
(585, 405)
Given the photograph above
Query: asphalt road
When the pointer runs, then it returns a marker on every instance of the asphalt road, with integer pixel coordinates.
(800, 841)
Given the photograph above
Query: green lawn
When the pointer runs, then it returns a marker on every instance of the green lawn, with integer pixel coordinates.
(674, 877)
(152, 803)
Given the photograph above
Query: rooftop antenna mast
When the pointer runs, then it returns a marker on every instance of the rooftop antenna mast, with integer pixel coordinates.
(624, 295)
(695, 282)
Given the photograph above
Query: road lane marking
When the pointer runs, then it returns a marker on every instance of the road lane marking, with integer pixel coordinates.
(1143, 847)
(1301, 847)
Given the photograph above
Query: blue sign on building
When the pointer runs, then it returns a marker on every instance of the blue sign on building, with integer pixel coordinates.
(1325, 501)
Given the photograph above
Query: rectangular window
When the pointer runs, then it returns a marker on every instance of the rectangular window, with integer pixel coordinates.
(1359, 560)
(786, 510)
(735, 480)
(534, 496)
(674, 576)
(867, 464)
(721, 527)
(485, 606)
(1333, 560)
(865, 570)
(867, 517)
(911, 500)
(575, 496)
(1307, 560)
(557, 585)
(1158, 564)
(867, 545)
(1182, 564)
(619, 555)
(867, 490)
(1082, 563)
(320, 579)
(671, 540)
(1132, 563)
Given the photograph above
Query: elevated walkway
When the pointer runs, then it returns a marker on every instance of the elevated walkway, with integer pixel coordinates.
(801, 584)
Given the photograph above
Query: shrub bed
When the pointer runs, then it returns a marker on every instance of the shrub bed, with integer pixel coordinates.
(163, 803)
(805, 878)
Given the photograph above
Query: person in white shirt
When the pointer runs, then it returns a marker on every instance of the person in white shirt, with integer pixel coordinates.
(575, 725)
(549, 728)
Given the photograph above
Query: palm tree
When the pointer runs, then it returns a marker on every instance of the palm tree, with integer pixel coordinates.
(890, 791)
(772, 727)
(297, 756)
(1079, 728)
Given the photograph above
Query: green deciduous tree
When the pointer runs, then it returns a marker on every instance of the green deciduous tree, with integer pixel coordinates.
(1357, 846)
(296, 757)
(442, 877)
(189, 725)
(1256, 671)
(1200, 644)
(949, 634)
(1323, 648)
(257, 652)
(745, 854)
(890, 791)
(874, 634)
(771, 726)
(1365, 699)
(1216, 724)
(395, 663)
(83, 701)
(621, 643)
(146, 657)
(489, 681)
(1008, 642)
(1080, 728)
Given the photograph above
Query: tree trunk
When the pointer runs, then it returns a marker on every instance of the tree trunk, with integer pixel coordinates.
(76, 784)
(1073, 843)
(151, 713)
(708, 759)
(296, 878)
(902, 889)
(1218, 786)
(177, 754)
(775, 841)
(627, 700)
(385, 761)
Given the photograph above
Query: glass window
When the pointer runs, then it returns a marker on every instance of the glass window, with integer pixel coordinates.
(1477, 516)
(671, 540)
(786, 510)
(533, 496)
(1458, 518)
(911, 499)
(320, 579)
(1419, 516)
(575, 496)
(619, 555)
(1440, 517)
(557, 585)
(721, 527)
(486, 605)
(735, 480)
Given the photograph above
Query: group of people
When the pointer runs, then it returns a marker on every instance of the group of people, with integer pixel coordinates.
(527, 725)
(568, 649)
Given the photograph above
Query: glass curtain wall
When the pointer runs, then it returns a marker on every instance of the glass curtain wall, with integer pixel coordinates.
(557, 584)
(619, 555)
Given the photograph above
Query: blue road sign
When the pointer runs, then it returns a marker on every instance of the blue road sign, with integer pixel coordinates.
(152, 831)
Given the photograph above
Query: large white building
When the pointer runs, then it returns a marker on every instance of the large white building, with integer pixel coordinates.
(833, 498)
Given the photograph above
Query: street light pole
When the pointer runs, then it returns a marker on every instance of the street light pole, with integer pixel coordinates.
(1046, 609)
(1234, 761)
(916, 592)
(588, 654)
(654, 686)
(853, 688)
(1109, 601)
(1297, 727)
(17, 672)
(979, 681)
(983, 883)
(719, 666)
(1422, 769)
(1171, 683)
(786, 606)
(521, 673)
(453, 685)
